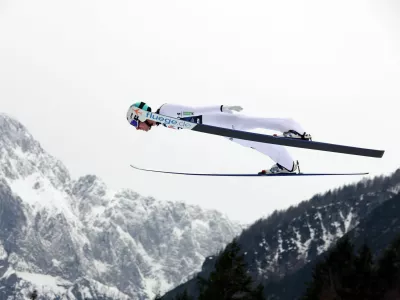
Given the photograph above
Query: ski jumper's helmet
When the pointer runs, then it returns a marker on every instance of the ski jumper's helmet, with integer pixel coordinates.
(132, 117)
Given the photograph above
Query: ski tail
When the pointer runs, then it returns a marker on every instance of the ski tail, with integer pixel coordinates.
(290, 142)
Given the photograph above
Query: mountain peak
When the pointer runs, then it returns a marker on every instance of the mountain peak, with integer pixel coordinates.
(22, 156)
(56, 227)
(15, 135)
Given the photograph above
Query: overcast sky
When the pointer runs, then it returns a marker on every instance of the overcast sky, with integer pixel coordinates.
(69, 70)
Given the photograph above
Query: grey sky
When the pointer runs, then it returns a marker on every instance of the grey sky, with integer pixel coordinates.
(69, 71)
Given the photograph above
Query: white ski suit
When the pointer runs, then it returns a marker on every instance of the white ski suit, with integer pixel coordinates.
(213, 115)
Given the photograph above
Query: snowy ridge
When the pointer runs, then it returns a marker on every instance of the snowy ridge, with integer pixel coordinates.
(285, 241)
(78, 237)
(21, 155)
(51, 287)
(47, 285)
(294, 242)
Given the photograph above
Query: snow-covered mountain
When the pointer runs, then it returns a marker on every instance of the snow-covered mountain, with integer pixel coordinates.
(283, 243)
(77, 238)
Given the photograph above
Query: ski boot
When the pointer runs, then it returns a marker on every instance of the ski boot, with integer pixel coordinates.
(295, 135)
(277, 169)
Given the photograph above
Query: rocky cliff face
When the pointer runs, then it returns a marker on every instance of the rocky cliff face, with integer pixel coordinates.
(77, 238)
(288, 240)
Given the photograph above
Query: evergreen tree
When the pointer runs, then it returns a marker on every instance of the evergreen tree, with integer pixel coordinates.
(258, 293)
(364, 274)
(229, 280)
(388, 271)
(333, 278)
(183, 296)
(343, 275)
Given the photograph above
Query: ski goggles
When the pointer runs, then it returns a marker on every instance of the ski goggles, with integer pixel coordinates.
(135, 123)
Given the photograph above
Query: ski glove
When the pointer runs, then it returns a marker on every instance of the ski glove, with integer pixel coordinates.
(230, 109)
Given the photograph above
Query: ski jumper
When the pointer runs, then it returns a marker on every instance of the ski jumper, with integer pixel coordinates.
(213, 115)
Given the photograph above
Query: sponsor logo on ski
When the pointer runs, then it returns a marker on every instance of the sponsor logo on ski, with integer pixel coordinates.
(168, 121)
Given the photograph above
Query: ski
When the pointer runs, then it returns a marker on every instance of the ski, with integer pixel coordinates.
(175, 123)
(248, 174)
